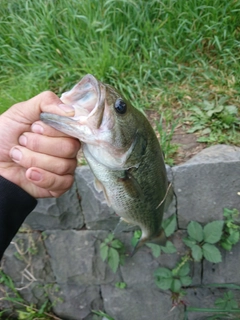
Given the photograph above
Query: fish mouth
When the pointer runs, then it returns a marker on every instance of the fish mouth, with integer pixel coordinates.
(88, 100)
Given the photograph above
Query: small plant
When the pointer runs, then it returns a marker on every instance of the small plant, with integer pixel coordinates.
(231, 229)
(20, 306)
(215, 121)
(113, 251)
(227, 303)
(174, 279)
(202, 241)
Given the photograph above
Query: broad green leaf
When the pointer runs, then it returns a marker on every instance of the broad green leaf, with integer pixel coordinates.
(169, 225)
(227, 212)
(197, 253)
(156, 250)
(195, 231)
(223, 100)
(104, 251)
(184, 270)
(169, 247)
(198, 111)
(215, 110)
(189, 242)
(211, 253)
(233, 110)
(164, 283)
(186, 281)
(234, 237)
(113, 259)
(176, 285)
(163, 273)
(195, 128)
(109, 238)
(117, 244)
(212, 232)
(226, 245)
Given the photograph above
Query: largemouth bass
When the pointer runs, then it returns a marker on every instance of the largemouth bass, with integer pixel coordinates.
(123, 153)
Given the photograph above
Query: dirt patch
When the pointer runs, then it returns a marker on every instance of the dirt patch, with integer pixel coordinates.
(187, 143)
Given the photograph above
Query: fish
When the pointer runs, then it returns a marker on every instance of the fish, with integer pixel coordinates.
(123, 152)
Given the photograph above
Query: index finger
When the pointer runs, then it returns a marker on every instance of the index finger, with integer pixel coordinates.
(42, 128)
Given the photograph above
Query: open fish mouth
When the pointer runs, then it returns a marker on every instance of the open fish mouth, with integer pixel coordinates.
(88, 100)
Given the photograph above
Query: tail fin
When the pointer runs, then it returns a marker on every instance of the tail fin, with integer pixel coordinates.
(160, 240)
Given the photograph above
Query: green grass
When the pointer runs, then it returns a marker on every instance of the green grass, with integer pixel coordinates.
(160, 54)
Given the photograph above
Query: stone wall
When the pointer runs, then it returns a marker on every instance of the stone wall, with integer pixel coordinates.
(56, 252)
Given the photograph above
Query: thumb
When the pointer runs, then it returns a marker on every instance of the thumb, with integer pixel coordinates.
(29, 111)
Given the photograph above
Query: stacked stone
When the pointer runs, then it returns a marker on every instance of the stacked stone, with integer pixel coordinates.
(57, 251)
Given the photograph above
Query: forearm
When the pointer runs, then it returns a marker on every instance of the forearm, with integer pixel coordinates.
(15, 205)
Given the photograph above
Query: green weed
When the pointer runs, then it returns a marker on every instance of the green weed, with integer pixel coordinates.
(113, 251)
(202, 240)
(22, 309)
(174, 279)
(216, 121)
(231, 229)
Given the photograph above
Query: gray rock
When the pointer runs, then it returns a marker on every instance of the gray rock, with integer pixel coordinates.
(203, 190)
(217, 153)
(76, 302)
(75, 258)
(97, 214)
(57, 213)
(139, 303)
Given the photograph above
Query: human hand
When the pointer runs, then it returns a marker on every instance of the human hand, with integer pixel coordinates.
(36, 157)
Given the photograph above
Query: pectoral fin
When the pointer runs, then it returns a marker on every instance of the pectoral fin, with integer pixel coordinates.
(123, 225)
(131, 185)
(100, 187)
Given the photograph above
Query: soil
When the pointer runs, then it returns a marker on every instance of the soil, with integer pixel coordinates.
(187, 143)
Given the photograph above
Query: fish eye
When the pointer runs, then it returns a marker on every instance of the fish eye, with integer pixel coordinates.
(120, 106)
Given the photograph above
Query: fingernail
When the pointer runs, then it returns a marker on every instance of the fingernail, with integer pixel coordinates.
(35, 175)
(23, 140)
(16, 154)
(37, 128)
(67, 108)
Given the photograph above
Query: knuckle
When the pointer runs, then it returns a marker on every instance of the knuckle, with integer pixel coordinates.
(63, 184)
(68, 182)
(67, 166)
(33, 142)
(32, 161)
(70, 147)
(48, 96)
